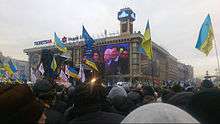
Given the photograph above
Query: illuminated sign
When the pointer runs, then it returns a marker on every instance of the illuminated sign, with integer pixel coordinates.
(126, 14)
(64, 39)
(42, 42)
(73, 38)
(123, 15)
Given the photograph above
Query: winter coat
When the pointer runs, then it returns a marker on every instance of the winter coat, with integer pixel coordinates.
(98, 117)
(54, 117)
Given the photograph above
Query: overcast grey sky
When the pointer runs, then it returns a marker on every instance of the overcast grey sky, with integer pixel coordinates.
(174, 24)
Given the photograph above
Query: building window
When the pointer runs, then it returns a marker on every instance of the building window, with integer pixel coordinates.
(135, 61)
(135, 66)
(134, 45)
(135, 56)
(131, 28)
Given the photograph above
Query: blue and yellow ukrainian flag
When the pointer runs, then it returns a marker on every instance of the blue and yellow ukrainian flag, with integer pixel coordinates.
(147, 43)
(91, 64)
(72, 73)
(2, 72)
(204, 42)
(59, 44)
(8, 69)
(88, 42)
(12, 66)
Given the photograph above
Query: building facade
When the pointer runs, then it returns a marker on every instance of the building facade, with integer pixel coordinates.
(185, 72)
(22, 66)
(164, 66)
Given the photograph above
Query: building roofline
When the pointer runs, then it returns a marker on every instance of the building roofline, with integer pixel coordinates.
(81, 43)
(99, 40)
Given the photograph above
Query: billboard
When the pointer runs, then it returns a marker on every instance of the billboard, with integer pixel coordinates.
(113, 58)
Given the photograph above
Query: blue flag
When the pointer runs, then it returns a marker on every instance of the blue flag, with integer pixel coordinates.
(89, 42)
(12, 66)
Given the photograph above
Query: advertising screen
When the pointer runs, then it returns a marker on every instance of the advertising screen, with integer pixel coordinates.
(113, 57)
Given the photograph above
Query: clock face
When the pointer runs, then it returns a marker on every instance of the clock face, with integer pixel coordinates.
(35, 60)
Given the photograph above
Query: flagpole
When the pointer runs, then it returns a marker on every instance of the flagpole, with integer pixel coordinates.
(216, 52)
(152, 71)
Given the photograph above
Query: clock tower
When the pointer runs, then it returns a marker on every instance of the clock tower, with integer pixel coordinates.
(126, 17)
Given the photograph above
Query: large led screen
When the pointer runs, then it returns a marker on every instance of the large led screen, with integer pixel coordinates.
(114, 58)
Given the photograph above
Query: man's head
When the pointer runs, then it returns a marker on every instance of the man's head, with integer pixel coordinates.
(107, 55)
(181, 100)
(18, 105)
(96, 56)
(44, 90)
(114, 53)
(87, 95)
(204, 106)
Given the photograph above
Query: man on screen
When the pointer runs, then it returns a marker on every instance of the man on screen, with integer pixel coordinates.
(114, 64)
(98, 61)
(96, 57)
(107, 55)
(107, 60)
(124, 62)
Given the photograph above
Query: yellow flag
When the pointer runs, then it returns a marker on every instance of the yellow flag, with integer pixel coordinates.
(53, 64)
(8, 69)
(147, 43)
(91, 64)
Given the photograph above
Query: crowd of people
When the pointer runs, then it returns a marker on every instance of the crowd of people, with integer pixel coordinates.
(94, 102)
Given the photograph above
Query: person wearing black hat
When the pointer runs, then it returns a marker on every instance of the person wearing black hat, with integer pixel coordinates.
(18, 105)
(181, 100)
(45, 91)
(149, 95)
(204, 106)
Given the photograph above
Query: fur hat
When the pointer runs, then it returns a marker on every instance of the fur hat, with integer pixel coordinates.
(18, 105)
